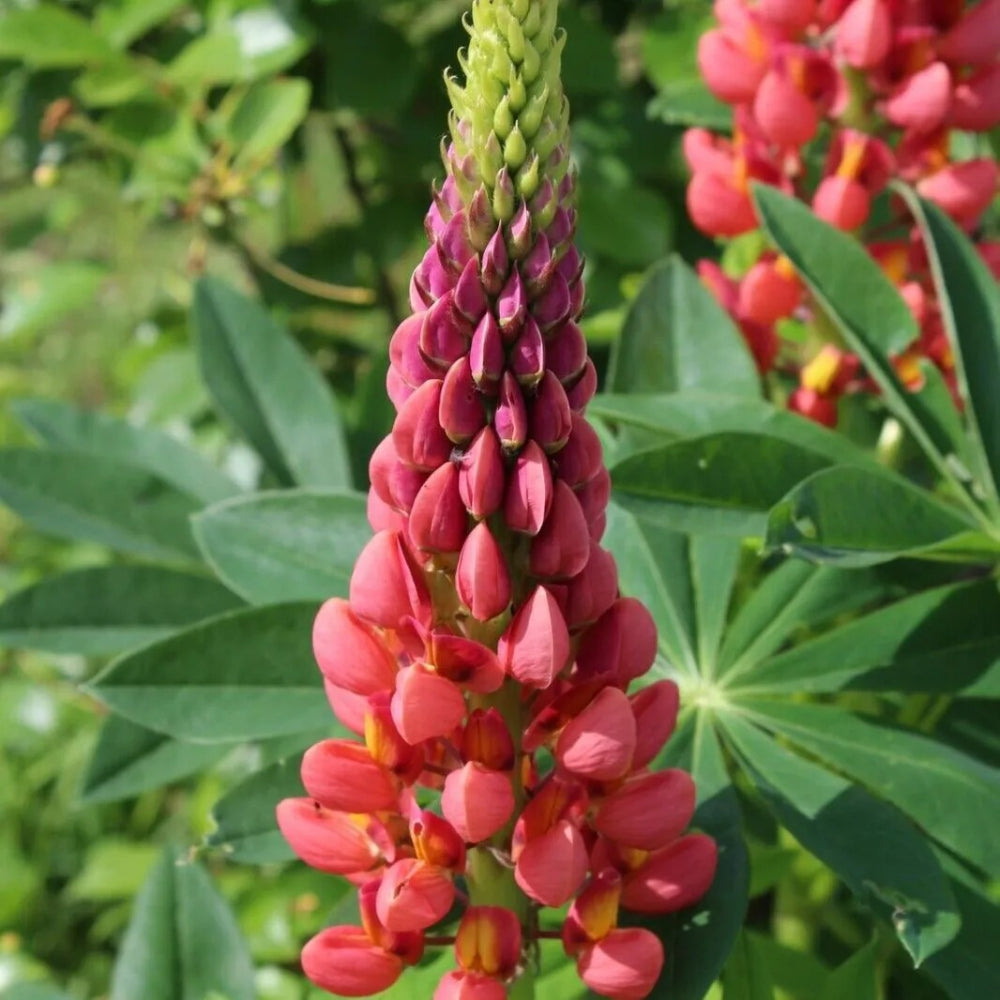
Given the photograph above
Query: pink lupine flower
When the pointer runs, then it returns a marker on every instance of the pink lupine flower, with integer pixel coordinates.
(673, 877)
(414, 895)
(624, 965)
(485, 651)
(864, 33)
(331, 841)
(477, 801)
(975, 39)
(344, 961)
(963, 190)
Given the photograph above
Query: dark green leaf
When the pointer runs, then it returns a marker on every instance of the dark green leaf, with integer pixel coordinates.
(698, 940)
(246, 828)
(183, 941)
(129, 759)
(283, 546)
(677, 337)
(71, 495)
(867, 842)
(747, 975)
(48, 37)
(860, 517)
(953, 797)
(857, 978)
(108, 609)
(721, 483)
(695, 413)
(794, 596)
(370, 67)
(690, 102)
(969, 968)
(946, 639)
(853, 291)
(62, 426)
(245, 675)
(970, 307)
(266, 386)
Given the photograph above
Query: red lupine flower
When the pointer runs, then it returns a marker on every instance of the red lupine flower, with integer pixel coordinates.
(484, 624)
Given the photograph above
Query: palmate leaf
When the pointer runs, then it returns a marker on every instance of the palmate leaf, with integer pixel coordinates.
(130, 759)
(676, 336)
(954, 798)
(881, 856)
(62, 426)
(245, 675)
(264, 384)
(860, 517)
(699, 939)
(285, 545)
(86, 497)
(945, 640)
(246, 828)
(970, 308)
(723, 483)
(108, 609)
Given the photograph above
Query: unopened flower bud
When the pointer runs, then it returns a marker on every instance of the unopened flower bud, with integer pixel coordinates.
(482, 579)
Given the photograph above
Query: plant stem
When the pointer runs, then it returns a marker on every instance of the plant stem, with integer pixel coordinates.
(491, 883)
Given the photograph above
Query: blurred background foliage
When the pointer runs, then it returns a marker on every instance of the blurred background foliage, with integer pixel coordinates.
(288, 146)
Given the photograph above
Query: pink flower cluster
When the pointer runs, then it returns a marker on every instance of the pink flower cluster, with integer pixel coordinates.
(881, 86)
(485, 655)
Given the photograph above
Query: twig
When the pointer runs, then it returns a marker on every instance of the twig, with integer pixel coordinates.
(302, 282)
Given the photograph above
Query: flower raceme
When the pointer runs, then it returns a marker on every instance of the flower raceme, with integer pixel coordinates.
(880, 86)
(484, 656)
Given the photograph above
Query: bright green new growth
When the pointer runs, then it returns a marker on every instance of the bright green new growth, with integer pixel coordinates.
(510, 121)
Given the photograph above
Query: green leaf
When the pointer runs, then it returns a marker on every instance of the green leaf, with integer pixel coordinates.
(108, 609)
(266, 118)
(857, 978)
(50, 37)
(690, 102)
(287, 545)
(34, 991)
(968, 968)
(867, 842)
(747, 975)
(123, 21)
(853, 291)
(254, 42)
(699, 940)
(677, 337)
(370, 66)
(900, 648)
(53, 290)
(71, 495)
(241, 676)
(953, 797)
(668, 572)
(60, 425)
(794, 596)
(970, 308)
(129, 759)
(246, 828)
(694, 413)
(859, 517)
(182, 942)
(722, 483)
(266, 386)
(114, 868)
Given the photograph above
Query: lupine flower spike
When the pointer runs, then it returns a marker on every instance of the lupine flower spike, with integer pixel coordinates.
(892, 80)
(484, 656)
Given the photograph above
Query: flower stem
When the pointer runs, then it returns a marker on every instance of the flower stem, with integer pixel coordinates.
(491, 883)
